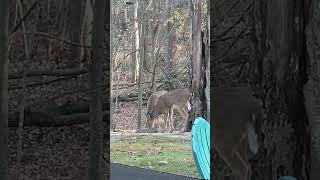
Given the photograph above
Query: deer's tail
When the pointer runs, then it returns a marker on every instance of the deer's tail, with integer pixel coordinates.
(188, 105)
(252, 139)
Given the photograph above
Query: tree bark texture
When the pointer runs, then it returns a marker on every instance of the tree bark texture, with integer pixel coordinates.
(312, 87)
(283, 131)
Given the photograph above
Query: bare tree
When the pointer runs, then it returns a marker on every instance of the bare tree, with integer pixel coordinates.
(170, 32)
(135, 44)
(4, 20)
(86, 29)
(95, 82)
(75, 14)
(142, 56)
(22, 95)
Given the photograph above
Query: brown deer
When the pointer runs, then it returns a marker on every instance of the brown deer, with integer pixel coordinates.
(233, 128)
(176, 99)
(152, 101)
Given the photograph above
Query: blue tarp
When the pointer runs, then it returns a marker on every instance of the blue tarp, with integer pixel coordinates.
(201, 146)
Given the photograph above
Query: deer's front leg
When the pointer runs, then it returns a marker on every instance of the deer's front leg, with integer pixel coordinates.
(166, 120)
(156, 119)
(171, 119)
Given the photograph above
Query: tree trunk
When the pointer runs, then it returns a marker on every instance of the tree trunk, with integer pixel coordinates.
(22, 96)
(75, 14)
(198, 66)
(95, 81)
(205, 49)
(169, 36)
(124, 19)
(4, 61)
(140, 77)
(283, 134)
(312, 87)
(86, 31)
(135, 44)
(112, 126)
(153, 57)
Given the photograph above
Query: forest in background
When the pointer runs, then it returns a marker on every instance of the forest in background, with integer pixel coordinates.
(158, 46)
(281, 69)
(155, 40)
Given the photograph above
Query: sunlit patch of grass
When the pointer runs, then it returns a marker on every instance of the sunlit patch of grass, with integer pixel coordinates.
(171, 155)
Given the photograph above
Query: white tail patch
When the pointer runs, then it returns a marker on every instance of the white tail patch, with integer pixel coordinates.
(189, 106)
(252, 139)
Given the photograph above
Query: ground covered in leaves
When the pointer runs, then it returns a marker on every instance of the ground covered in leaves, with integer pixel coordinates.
(126, 116)
(52, 153)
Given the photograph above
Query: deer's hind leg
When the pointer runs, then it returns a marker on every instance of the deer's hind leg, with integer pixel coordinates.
(243, 155)
(236, 163)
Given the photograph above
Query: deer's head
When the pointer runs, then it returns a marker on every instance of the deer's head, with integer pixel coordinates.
(149, 120)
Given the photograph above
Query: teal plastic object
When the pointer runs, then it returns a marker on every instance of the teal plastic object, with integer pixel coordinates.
(287, 178)
(201, 146)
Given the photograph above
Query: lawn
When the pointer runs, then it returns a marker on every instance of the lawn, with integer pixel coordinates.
(171, 155)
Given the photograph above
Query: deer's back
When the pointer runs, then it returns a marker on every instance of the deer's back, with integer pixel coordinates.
(232, 110)
(176, 97)
(153, 99)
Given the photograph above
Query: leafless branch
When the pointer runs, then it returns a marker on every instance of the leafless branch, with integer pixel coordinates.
(24, 17)
(50, 72)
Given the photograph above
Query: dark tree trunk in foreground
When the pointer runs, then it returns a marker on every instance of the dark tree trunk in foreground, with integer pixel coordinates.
(283, 134)
(4, 18)
(198, 65)
(95, 80)
(312, 87)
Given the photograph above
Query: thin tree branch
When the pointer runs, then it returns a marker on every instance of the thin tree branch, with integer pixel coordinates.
(24, 17)
(50, 72)
(42, 83)
(52, 37)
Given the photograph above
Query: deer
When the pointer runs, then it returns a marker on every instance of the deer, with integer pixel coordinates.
(152, 101)
(176, 99)
(234, 112)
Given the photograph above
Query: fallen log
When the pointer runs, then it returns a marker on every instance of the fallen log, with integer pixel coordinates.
(41, 83)
(52, 72)
(69, 108)
(64, 115)
(128, 99)
(45, 119)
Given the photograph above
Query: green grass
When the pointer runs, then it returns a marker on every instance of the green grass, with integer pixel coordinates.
(148, 151)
